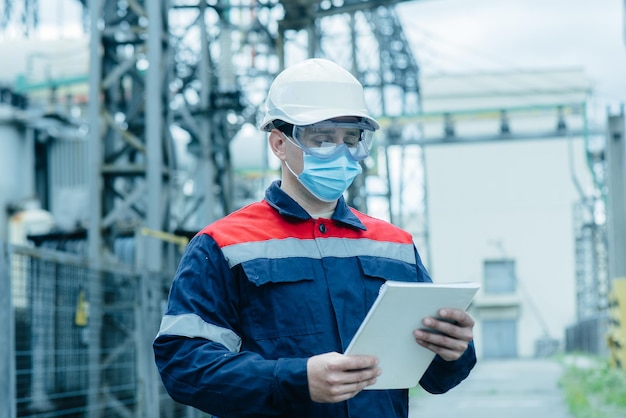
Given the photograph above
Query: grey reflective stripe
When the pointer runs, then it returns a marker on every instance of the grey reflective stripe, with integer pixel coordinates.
(317, 248)
(192, 326)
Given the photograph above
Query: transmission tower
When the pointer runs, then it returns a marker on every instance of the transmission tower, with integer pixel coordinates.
(23, 15)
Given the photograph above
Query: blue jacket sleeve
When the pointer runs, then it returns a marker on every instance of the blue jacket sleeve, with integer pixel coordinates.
(198, 362)
(442, 375)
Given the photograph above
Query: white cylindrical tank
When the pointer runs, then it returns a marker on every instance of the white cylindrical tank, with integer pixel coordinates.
(249, 151)
(32, 220)
(16, 165)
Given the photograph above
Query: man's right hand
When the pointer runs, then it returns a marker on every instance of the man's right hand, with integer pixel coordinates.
(334, 377)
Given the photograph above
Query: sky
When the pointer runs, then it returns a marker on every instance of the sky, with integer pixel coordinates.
(456, 36)
(473, 35)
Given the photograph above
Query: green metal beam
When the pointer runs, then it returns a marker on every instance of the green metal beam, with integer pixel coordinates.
(486, 113)
(22, 85)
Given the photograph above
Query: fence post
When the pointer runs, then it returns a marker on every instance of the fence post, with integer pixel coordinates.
(7, 329)
(616, 201)
(147, 327)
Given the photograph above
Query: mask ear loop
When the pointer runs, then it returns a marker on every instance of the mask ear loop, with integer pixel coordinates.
(300, 148)
(292, 141)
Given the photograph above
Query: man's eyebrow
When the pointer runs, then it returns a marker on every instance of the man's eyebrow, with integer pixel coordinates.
(324, 130)
(328, 130)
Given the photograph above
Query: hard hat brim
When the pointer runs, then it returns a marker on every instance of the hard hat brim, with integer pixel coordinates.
(314, 116)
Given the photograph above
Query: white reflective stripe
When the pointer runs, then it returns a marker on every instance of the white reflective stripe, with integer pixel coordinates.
(192, 326)
(322, 247)
(272, 249)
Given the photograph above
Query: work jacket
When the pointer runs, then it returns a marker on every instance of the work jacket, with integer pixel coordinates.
(261, 290)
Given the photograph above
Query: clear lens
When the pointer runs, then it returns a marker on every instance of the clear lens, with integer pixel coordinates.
(324, 139)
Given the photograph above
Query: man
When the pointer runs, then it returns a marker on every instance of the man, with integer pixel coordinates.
(266, 299)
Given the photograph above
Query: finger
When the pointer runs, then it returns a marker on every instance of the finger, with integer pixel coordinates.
(338, 393)
(355, 381)
(453, 330)
(347, 377)
(443, 352)
(358, 386)
(445, 342)
(363, 384)
(358, 362)
(459, 316)
(365, 374)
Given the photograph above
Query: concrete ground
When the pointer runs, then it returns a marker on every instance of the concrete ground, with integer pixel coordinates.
(519, 388)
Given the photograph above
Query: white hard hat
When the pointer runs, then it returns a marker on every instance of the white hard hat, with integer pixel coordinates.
(312, 91)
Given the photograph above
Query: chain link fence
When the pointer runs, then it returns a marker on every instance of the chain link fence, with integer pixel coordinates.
(81, 343)
(589, 336)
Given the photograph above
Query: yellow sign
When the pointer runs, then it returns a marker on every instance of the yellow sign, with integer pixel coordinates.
(81, 317)
(617, 327)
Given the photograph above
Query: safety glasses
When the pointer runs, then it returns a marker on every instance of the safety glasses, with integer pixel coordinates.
(325, 139)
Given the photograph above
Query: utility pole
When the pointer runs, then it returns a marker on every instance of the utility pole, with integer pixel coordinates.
(616, 201)
(7, 328)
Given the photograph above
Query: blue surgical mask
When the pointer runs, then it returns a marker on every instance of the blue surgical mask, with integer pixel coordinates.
(328, 178)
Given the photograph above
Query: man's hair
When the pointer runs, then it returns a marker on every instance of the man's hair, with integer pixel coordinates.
(284, 127)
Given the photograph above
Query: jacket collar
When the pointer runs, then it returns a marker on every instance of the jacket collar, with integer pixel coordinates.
(286, 206)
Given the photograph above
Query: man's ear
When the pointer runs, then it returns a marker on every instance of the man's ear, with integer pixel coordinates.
(278, 143)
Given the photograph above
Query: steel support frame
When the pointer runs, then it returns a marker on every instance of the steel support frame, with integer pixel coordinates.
(7, 328)
(382, 59)
(616, 204)
(128, 180)
(136, 68)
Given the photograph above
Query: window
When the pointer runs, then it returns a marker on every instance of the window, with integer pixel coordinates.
(500, 277)
(500, 338)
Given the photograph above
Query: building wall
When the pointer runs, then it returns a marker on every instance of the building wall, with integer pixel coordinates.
(509, 200)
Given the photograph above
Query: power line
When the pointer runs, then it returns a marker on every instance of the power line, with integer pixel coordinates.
(430, 47)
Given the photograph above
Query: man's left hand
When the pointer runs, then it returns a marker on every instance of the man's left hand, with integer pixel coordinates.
(448, 335)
